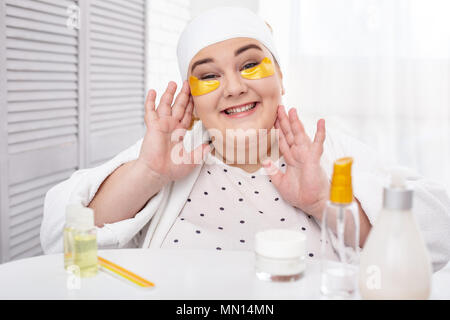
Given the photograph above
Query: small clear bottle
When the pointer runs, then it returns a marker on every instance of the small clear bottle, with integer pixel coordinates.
(69, 227)
(85, 243)
(340, 236)
(280, 255)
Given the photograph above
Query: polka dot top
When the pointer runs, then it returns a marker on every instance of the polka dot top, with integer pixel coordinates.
(228, 206)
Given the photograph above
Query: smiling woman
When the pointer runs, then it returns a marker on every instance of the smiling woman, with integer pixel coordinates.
(233, 83)
(248, 92)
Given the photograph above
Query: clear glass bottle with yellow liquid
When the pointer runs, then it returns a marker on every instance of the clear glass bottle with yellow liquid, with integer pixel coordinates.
(340, 236)
(69, 227)
(85, 242)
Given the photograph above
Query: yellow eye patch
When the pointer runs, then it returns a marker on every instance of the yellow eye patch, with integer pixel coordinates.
(199, 87)
(262, 70)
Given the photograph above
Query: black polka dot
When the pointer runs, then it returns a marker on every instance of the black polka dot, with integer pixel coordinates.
(223, 188)
(176, 240)
(239, 183)
(242, 221)
(221, 208)
(303, 228)
(205, 193)
(270, 180)
(182, 219)
(197, 231)
(218, 248)
(253, 177)
(283, 164)
(311, 255)
(256, 192)
(282, 219)
(202, 214)
(276, 199)
(242, 241)
(189, 200)
(309, 217)
(260, 211)
(240, 199)
(208, 172)
(220, 228)
(225, 170)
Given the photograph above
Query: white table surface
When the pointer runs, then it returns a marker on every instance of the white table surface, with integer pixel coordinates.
(178, 274)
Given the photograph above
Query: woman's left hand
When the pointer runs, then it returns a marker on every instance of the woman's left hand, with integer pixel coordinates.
(304, 184)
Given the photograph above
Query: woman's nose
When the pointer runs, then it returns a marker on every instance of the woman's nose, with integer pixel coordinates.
(234, 85)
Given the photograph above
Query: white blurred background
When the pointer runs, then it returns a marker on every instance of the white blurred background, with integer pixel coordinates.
(72, 98)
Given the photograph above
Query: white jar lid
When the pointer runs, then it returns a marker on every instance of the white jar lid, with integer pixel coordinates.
(280, 243)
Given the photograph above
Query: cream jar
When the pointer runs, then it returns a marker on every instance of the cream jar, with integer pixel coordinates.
(280, 255)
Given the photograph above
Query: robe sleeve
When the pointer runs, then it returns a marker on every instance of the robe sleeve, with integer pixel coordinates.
(80, 189)
(431, 202)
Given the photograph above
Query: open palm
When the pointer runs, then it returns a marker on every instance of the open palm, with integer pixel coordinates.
(163, 124)
(304, 184)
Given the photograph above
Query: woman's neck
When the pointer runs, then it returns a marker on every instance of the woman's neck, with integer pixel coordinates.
(246, 166)
(250, 168)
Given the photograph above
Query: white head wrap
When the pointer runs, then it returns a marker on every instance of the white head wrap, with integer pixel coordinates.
(219, 24)
(212, 26)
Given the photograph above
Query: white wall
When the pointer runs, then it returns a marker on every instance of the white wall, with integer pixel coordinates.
(197, 6)
(166, 20)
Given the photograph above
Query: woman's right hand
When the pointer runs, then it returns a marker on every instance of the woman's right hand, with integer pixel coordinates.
(162, 124)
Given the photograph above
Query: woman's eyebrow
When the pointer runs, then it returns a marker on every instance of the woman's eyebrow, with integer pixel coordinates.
(202, 61)
(236, 53)
(244, 48)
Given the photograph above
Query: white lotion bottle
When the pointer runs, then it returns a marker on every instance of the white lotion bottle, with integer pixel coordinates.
(395, 263)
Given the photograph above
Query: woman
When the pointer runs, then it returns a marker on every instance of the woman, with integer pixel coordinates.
(152, 196)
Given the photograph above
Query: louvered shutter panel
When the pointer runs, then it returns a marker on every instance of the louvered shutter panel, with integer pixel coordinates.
(69, 99)
(115, 94)
(41, 118)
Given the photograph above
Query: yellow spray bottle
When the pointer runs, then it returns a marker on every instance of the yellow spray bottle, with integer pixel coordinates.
(340, 235)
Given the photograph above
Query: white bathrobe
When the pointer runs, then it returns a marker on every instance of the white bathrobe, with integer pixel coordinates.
(148, 228)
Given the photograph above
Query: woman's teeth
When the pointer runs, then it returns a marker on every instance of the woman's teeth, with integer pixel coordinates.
(240, 109)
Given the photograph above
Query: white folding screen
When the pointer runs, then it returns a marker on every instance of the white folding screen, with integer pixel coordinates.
(70, 97)
(116, 72)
